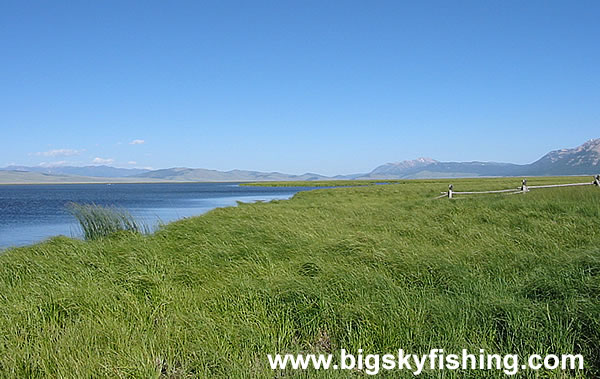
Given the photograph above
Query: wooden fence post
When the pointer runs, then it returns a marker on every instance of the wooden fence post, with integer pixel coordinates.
(524, 186)
(597, 181)
(450, 188)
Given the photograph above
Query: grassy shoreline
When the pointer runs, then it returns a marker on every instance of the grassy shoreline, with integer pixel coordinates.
(515, 181)
(370, 267)
(321, 183)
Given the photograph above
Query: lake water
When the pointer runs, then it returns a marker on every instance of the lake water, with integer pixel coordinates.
(32, 213)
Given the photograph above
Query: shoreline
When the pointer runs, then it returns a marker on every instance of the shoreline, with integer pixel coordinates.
(158, 181)
(238, 200)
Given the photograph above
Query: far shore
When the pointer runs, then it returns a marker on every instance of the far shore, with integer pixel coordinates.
(119, 181)
(274, 183)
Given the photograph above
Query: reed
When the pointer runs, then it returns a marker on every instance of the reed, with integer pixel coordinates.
(98, 221)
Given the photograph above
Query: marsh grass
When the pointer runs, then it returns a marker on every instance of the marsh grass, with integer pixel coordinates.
(98, 221)
(377, 268)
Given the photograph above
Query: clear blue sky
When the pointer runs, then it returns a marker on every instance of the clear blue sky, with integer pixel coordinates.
(323, 86)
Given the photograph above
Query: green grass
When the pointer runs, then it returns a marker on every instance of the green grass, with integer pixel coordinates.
(480, 183)
(321, 183)
(375, 268)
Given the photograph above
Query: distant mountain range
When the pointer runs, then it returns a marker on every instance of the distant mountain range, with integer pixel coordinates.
(201, 174)
(94, 171)
(582, 160)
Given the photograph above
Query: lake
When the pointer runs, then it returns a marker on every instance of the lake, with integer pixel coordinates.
(32, 213)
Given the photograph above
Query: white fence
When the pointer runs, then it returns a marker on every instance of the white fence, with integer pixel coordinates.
(511, 191)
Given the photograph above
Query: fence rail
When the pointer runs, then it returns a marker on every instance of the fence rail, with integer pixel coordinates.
(511, 191)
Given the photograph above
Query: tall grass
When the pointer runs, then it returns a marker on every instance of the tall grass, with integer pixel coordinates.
(97, 221)
(377, 268)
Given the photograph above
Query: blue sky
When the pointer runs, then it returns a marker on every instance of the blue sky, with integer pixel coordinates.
(295, 86)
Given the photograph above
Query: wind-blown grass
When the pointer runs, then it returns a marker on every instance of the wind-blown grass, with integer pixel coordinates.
(377, 268)
(97, 221)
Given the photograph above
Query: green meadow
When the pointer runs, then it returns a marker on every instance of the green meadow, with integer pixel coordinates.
(372, 267)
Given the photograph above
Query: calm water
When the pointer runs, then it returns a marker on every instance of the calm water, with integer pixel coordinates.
(32, 213)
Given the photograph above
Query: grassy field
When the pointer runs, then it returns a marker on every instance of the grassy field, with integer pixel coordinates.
(323, 183)
(376, 268)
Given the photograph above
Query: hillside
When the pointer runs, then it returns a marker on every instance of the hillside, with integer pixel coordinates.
(204, 175)
(27, 177)
(582, 160)
(444, 170)
(102, 171)
(376, 268)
